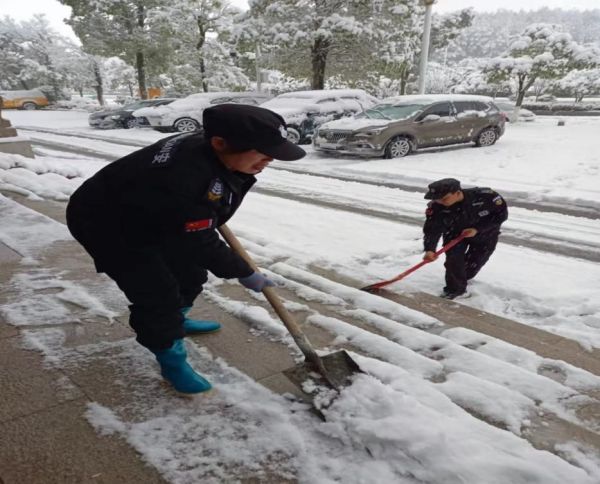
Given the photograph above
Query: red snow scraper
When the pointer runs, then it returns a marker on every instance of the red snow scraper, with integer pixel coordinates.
(335, 368)
(378, 285)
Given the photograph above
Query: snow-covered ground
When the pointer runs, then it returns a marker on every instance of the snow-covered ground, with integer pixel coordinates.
(534, 160)
(392, 410)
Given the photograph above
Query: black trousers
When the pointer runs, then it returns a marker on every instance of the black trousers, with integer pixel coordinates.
(466, 259)
(157, 280)
(158, 285)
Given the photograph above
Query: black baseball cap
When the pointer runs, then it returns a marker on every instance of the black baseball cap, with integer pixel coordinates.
(247, 127)
(441, 188)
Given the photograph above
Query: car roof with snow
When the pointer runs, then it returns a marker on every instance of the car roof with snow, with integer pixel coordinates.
(324, 93)
(8, 94)
(433, 98)
(294, 105)
(206, 97)
(193, 102)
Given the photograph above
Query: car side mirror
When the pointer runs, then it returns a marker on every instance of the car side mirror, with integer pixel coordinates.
(430, 118)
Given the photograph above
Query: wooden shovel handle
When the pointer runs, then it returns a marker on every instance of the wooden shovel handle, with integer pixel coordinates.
(274, 300)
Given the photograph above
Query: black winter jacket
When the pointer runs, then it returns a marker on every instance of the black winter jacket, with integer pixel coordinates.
(171, 195)
(482, 208)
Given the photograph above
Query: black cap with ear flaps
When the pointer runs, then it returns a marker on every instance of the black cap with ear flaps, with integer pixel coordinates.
(440, 188)
(247, 127)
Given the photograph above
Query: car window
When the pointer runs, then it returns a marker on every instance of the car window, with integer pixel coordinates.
(462, 106)
(471, 108)
(136, 105)
(392, 111)
(491, 107)
(326, 100)
(440, 109)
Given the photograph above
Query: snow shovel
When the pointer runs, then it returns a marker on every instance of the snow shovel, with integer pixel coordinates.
(335, 368)
(373, 288)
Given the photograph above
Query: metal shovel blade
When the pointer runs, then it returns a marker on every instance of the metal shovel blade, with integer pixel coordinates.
(334, 370)
(340, 370)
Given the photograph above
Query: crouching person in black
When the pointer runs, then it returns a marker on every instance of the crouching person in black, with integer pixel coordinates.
(477, 213)
(149, 222)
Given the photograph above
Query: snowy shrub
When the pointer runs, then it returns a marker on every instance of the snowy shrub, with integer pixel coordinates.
(561, 106)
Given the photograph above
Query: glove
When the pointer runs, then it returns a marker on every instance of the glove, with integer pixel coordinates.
(256, 281)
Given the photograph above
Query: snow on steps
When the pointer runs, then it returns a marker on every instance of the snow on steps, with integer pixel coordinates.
(548, 402)
(500, 379)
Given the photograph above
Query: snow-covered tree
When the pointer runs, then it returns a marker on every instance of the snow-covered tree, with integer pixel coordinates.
(543, 51)
(445, 28)
(123, 28)
(491, 34)
(581, 83)
(468, 77)
(118, 75)
(203, 59)
(35, 55)
(393, 40)
(12, 59)
(311, 27)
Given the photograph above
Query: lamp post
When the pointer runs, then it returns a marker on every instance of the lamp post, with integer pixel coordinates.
(425, 44)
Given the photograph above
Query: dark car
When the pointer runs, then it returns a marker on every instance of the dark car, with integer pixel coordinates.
(122, 117)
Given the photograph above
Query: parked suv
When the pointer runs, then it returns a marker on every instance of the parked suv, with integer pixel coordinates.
(399, 125)
(304, 111)
(185, 115)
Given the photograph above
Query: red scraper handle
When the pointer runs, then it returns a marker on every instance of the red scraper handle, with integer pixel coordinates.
(407, 272)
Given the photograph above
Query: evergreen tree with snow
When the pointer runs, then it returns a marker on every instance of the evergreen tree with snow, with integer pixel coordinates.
(581, 83)
(129, 29)
(203, 57)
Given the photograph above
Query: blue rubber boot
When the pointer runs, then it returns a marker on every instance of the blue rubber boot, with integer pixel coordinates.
(198, 326)
(175, 369)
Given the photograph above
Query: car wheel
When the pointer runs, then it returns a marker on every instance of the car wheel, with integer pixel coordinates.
(398, 147)
(130, 123)
(487, 137)
(29, 106)
(293, 135)
(186, 125)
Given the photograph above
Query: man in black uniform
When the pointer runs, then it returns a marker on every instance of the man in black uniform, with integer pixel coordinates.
(149, 221)
(477, 213)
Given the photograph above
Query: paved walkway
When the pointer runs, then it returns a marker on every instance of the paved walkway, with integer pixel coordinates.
(46, 438)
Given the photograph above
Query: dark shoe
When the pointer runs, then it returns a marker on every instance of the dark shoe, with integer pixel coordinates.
(451, 294)
(198, 326)
(175, 369)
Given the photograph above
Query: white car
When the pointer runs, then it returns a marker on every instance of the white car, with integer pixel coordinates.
(509, 110)
(304, 111)
(185, 115)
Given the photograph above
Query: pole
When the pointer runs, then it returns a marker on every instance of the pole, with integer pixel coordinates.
(258, 73)
(425, 44)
